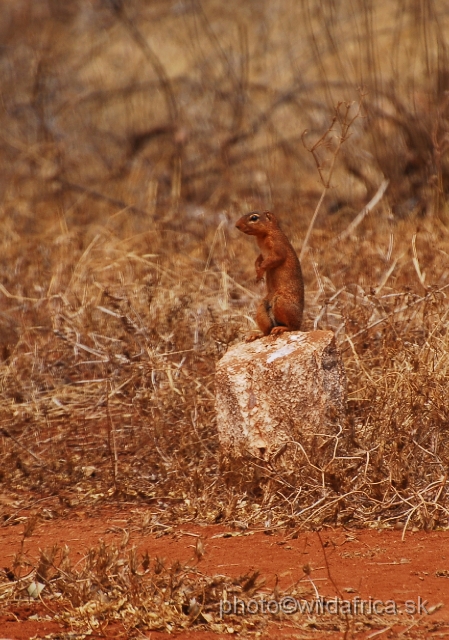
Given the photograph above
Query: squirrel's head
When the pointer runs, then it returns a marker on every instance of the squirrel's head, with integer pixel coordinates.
(257, 223)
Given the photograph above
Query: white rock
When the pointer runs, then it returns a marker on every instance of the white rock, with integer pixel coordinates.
(35, 589)
(289, 389)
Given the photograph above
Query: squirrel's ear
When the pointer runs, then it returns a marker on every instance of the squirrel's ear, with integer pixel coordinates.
(269, 215)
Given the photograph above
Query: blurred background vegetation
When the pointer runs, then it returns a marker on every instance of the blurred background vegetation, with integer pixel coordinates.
(167, 107)
(132, 135)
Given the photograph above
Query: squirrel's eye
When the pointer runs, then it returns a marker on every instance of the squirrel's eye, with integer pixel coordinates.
(254, 218)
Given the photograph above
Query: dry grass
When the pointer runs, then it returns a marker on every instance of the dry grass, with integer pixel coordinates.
(132, 136)
(115, 585)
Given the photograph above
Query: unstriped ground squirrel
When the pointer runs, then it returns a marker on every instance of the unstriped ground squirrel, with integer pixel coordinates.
(282, 308)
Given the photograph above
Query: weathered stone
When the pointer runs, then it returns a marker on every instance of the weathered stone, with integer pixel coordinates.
(291, 389)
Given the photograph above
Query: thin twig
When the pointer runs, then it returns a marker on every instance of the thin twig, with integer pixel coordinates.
(364, 212)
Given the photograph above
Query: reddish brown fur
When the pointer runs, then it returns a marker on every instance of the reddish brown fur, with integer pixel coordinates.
(282, 308)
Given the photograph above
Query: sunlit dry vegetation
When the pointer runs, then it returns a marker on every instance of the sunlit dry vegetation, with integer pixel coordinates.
(132, 136)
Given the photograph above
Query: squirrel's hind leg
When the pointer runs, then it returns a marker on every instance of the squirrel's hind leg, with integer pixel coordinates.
(264, 321)
(265, 317)
(288, 314)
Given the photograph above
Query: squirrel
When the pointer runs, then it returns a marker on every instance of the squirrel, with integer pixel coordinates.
(282, 308)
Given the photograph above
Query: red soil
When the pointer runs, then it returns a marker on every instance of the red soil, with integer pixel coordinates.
(351, 563)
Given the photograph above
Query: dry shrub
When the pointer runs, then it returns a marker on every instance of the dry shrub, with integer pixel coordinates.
(115, 588)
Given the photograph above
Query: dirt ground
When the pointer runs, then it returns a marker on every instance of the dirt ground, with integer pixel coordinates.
(352, 564)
